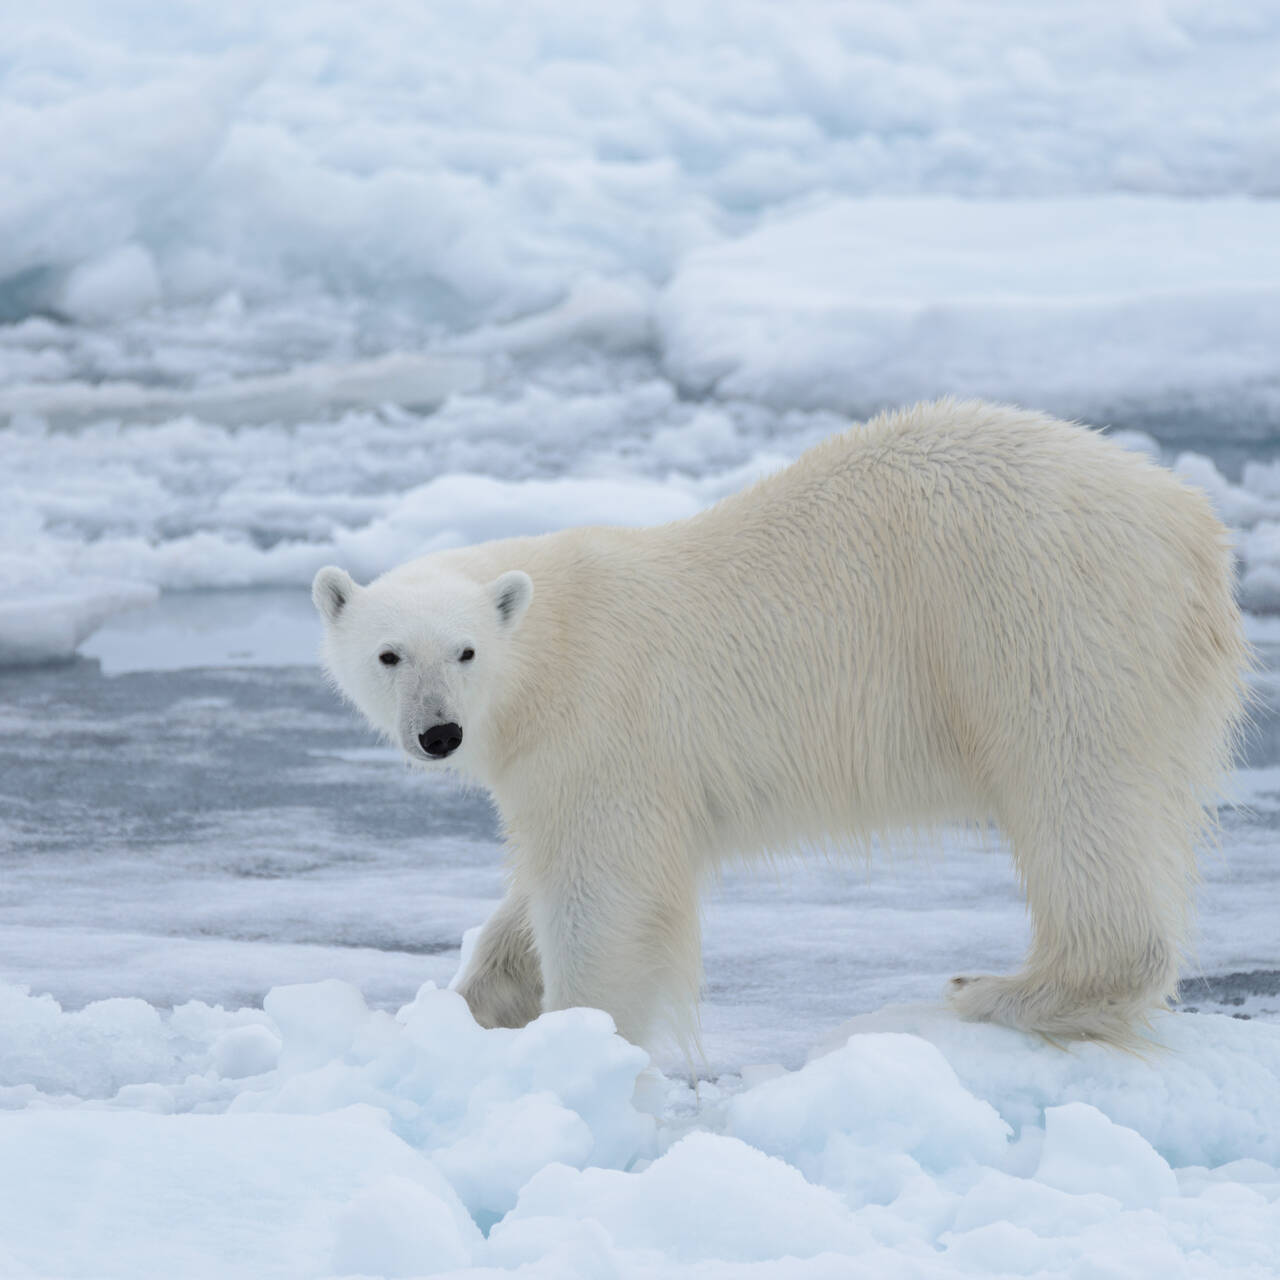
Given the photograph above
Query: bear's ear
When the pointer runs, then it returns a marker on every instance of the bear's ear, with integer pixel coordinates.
(331, 591)
(511, 594)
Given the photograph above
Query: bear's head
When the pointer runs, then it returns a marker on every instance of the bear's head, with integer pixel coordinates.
(421, 654)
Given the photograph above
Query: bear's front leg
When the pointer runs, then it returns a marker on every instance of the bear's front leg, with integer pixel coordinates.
(625, 940)
(503, 982)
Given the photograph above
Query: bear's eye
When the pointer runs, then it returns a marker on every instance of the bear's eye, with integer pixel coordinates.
(388, 657)
(466, 655)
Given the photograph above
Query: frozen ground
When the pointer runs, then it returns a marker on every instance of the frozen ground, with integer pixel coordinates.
(305, 282)
(189, 813)
(223, 898)
(194, 839)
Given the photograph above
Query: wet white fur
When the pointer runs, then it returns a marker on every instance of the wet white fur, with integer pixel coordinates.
(959, 611)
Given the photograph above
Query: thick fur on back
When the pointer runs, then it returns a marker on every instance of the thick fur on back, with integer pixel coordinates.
(958, 611)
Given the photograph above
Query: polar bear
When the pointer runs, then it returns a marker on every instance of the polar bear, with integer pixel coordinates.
(959, 611)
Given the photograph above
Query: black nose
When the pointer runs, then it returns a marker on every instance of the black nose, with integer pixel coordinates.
(441, 740)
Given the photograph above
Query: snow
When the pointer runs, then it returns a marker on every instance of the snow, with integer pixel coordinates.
(193, 1195)
(335, 1139)
(1084, 1153)
(258, 894)
(487, 162)
(187, 504)
(1083, 302)
(832, 1118)
(47, 621)
(1198, 1093)
(416, 381)
(1252, 509)
(122, 281)
(299, 283)
(709, 1199)
(291, 284)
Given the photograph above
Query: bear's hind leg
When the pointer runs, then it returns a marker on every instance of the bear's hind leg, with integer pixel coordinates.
(1108, 882)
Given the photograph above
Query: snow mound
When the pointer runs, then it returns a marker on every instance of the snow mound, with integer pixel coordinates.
(710, 1198)
(316, 1137)
(119, 283)
(480, 167)
(1071, 302)
(47, 621)
(842, 1119)
(1204, 1093)
(231, 1196)
(1252, 510)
